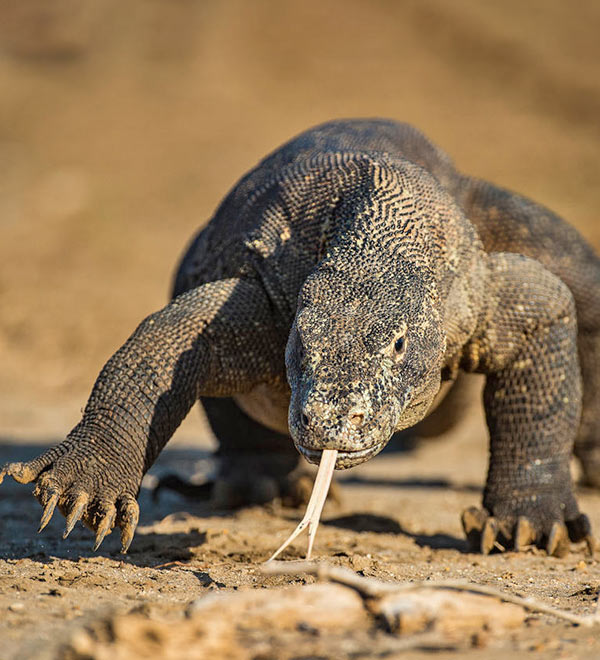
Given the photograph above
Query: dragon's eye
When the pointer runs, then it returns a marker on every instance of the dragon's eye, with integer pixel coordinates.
(399, 346)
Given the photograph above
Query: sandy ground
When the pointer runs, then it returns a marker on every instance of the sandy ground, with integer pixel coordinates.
(121, 127)
(398, 520)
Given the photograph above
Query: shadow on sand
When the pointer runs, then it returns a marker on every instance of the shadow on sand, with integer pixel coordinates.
(369, 522)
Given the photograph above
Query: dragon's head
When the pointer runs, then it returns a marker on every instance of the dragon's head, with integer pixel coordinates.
(363, 359)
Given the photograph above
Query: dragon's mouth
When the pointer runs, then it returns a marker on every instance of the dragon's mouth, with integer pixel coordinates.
(345, 459)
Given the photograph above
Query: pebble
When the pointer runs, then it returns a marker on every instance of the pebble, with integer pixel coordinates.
(16, 607)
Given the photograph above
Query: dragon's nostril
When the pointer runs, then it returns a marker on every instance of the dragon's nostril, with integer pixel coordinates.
(356, 418)
(304, 419)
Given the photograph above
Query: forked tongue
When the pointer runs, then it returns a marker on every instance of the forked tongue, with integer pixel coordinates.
(315, 504)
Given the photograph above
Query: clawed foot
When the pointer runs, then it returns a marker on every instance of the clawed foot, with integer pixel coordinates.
(175, 483)
(223, 492)
(241, 487)
(486, 533)
(247, 478)
(82, 491)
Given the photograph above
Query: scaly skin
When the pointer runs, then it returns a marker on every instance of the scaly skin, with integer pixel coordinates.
(338, 284)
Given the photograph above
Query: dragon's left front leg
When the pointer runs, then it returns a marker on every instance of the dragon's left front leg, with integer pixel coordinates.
(526, 344)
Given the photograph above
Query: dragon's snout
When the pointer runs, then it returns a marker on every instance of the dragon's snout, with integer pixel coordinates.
(314, 413)
(347, 424)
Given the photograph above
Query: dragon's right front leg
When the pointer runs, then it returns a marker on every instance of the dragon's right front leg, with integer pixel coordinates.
(216, 340)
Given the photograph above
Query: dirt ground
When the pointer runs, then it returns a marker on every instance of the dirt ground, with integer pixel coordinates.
(121, 127)
(398, 520)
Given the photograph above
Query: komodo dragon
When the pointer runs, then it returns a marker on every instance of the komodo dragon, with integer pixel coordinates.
(337, 286)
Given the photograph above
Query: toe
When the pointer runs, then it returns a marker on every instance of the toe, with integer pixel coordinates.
(103, 520)
(557, 544)
(74, 510)
(473, 522)
(579, 528)
(24, 473)
(27, 472)
(592, 544)
(524, 534)
(483, 531)
(49, 500)
(128, 516)
(489, 536)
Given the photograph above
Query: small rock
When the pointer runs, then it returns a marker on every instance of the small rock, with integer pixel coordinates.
(82, 644)
(16, 607)
(480, 639)
(360, 563)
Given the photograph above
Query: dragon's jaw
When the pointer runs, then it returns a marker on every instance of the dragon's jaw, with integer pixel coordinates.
(345, 459)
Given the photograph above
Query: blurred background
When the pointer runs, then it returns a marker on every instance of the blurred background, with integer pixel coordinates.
(122, 124)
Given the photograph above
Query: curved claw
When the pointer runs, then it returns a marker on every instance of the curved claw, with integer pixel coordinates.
(489, 535)
(105, 526)
(48, 509)
(591, 544)
(473, 521)
(524, 534)
(558, 540)
(128, 520)
(580, 529)
(75, 513)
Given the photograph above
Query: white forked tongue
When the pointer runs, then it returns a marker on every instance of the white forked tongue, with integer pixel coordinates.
(315, 504)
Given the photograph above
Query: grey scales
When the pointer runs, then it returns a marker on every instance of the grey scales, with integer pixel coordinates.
(337, 286)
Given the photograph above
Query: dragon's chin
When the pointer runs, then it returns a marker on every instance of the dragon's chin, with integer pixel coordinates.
(345, 459)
